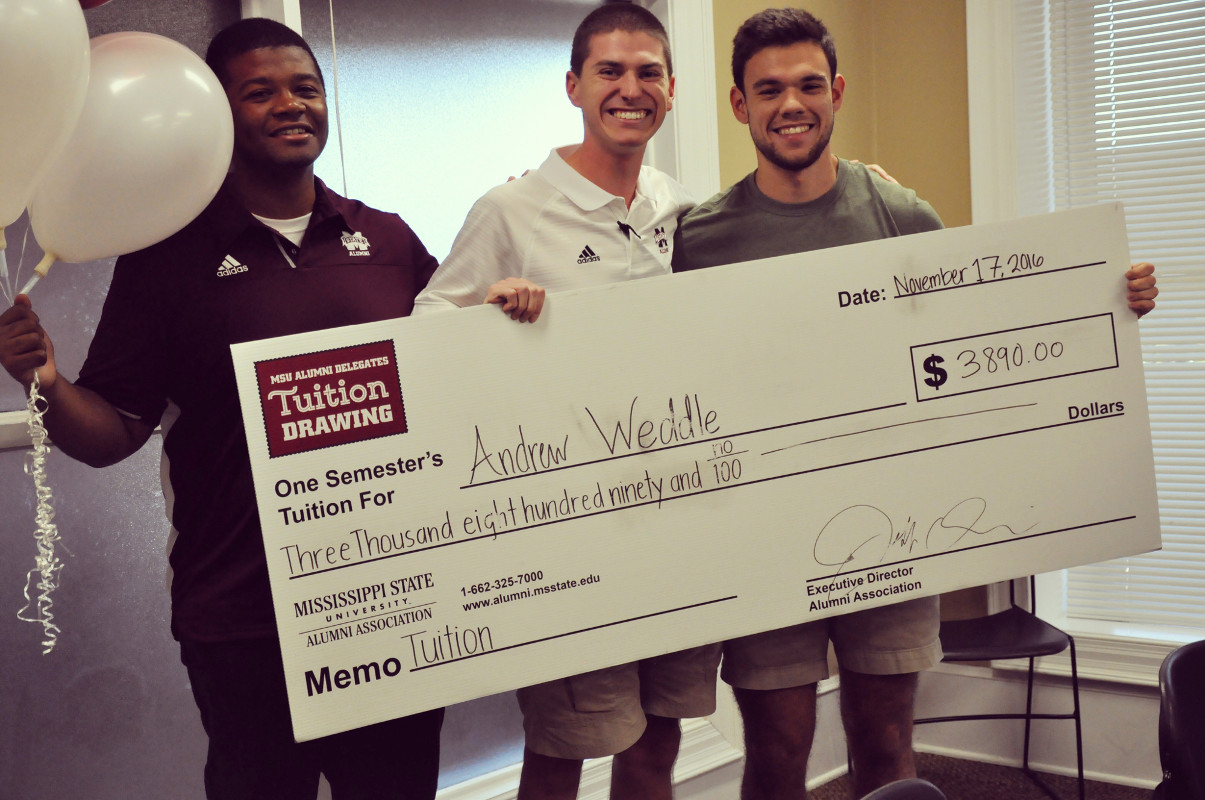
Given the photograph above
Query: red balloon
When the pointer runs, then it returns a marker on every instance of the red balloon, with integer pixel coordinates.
(92, 3)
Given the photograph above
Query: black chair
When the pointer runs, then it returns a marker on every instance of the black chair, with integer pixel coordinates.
(1182, 724)
(907, 789)
(1014, 633)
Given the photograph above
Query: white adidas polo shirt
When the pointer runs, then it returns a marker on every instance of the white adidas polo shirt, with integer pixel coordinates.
(557, 229)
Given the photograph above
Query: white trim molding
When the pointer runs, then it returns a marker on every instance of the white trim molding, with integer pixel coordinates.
(286, 11)
(688, 144)
(14, 430)
(990, 93)
(703, 749)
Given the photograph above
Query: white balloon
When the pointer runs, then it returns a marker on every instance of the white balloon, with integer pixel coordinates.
(43, 77)
(150, 151)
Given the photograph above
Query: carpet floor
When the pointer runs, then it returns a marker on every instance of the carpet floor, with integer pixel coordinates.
(972, 780)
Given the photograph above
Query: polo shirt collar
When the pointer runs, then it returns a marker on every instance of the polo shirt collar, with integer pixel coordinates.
(582, 192)
(327, 204)
(230, 219)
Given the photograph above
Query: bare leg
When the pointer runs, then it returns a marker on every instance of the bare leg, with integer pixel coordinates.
(779, 725)
(877, 713)
(645, 770)
(548, 777)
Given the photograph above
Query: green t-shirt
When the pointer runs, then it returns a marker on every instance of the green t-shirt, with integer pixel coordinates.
(742, 224)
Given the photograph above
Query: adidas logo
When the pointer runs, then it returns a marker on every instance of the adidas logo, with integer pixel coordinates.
(230, 266)
(587, 256)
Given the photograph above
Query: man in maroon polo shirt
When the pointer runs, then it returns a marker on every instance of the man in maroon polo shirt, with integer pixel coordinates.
(275, 253)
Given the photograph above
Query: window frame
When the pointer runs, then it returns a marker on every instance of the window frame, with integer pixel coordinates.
(1117, 652)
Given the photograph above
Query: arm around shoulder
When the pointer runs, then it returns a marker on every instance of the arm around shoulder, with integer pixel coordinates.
(698, 230)
(920, 217)
(910, 212)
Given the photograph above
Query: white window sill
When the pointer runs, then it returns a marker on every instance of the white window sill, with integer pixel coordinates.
(1114, 659)
(14, 431)
(1115, 652)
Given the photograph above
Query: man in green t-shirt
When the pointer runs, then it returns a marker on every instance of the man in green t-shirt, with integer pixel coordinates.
(802, 197)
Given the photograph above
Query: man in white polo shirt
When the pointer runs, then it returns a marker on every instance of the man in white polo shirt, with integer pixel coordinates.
(589, 216)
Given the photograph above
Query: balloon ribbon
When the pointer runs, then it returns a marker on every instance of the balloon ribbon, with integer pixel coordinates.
(39, 271)
(48, 566)
(5, 283)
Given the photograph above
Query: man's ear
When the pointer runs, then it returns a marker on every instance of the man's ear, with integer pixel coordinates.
(669, 98)
(737, 98)
(838, 91)
(571, 82)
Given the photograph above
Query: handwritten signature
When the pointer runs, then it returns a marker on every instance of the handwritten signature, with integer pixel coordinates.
(864, 535)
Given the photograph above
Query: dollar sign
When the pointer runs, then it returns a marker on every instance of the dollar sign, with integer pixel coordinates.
(939, 374)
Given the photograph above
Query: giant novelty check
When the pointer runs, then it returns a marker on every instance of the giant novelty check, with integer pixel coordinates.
(456, 505)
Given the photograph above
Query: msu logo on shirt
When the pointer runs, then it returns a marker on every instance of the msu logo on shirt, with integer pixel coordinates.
(356, 243)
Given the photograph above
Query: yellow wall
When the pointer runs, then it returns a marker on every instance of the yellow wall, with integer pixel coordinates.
(905, 97)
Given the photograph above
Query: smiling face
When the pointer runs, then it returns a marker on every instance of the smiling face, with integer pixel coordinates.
(279, 107)
(624, 91)
(789, 101)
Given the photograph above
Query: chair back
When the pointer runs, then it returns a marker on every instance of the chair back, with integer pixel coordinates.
(907, 789)
(1182, 723)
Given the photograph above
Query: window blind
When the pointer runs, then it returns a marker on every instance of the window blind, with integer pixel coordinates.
(1110, 105)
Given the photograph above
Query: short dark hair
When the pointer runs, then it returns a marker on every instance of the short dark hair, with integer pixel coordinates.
(252, 34)
(616, 16)
(779, 27)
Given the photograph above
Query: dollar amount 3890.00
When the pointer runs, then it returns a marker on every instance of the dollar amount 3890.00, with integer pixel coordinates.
(1009, 357)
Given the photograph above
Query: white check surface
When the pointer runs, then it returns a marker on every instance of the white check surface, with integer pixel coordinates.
(678, 460)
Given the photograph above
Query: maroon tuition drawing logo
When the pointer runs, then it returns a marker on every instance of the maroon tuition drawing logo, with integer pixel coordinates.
(333, 397)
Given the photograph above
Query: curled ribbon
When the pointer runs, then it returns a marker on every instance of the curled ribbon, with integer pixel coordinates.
(48, 566)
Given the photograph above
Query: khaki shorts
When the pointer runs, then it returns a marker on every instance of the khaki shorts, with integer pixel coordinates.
(602, 713)
(888, 640)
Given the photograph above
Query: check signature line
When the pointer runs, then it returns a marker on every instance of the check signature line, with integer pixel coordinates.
(691, 443)
(576, 632)
(898, 425)
(1010, 540)
(663, 500)
(999, 280)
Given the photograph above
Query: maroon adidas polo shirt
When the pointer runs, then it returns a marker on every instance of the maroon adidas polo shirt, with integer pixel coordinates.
(162, 353)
